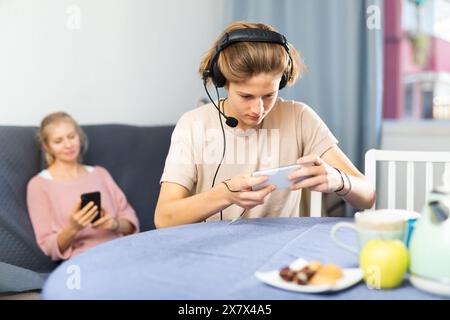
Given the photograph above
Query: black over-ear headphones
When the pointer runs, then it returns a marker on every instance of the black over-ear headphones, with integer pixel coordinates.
(246, 35)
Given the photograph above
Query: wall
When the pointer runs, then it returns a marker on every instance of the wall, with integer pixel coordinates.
(103, 61)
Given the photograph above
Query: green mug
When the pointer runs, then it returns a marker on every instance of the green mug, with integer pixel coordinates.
(386, 224)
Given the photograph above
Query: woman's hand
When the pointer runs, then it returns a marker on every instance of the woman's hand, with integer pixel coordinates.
(240, 191)
(106, 222)
(317, 174)
(81, 218)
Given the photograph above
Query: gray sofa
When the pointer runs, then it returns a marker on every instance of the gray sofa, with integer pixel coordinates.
(133, 155)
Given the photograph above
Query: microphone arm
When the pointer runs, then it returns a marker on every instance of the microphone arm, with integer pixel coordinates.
(230, 121)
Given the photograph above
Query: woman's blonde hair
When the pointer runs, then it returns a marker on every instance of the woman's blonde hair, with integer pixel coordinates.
(42, 135)
(243, 60)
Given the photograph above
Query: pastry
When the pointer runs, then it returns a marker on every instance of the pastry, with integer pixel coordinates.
(326, 274)
(313, 273)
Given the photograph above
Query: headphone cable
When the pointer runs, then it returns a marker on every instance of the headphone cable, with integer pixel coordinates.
(223, 134)
(224, 144)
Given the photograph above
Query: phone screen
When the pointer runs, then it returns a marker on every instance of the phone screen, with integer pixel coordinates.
(94, 197)
(277, 177)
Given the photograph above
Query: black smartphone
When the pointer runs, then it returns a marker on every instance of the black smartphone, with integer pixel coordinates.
(94, 197)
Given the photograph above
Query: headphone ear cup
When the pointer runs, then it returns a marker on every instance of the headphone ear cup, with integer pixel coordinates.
(217, 76)
(284, 81)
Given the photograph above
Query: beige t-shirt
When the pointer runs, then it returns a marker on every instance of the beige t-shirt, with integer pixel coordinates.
(291, 130)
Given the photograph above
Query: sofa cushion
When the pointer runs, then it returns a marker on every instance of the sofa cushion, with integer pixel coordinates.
(19, 161)
(16, 279)
(135, 158)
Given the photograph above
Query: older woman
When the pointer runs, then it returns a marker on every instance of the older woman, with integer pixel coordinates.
(61, 226)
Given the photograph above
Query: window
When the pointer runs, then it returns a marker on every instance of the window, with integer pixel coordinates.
(417, 67)
(409, 100)
(427, 104)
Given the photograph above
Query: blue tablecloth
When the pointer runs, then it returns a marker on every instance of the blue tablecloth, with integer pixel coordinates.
(212, 260)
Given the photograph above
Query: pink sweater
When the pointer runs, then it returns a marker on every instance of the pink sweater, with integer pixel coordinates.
(51, 202)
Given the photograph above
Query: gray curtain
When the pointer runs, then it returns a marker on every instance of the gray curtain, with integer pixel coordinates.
(344, 59)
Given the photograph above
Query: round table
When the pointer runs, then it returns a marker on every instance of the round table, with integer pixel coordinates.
(212, 260)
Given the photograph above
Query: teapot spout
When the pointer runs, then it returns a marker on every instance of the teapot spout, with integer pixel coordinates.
(439, 212)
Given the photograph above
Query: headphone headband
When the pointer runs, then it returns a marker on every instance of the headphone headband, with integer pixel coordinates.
(251, 35)
(245, 35)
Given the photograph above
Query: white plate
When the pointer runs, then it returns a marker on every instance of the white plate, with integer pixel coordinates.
(351, 276)
(430, 286)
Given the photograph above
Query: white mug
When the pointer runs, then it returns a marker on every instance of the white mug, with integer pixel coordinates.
(386, 224)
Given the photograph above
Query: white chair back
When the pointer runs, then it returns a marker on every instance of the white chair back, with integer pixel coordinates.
(315, 208)
(410, 158)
